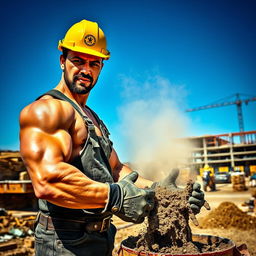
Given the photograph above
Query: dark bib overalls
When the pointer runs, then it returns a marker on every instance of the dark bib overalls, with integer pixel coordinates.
(65, 238)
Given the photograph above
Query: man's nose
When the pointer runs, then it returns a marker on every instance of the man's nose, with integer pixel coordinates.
(86, 68)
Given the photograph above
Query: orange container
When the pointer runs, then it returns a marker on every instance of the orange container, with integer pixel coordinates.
(231, 249)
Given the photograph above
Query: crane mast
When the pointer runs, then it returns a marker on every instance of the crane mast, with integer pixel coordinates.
(238, 102)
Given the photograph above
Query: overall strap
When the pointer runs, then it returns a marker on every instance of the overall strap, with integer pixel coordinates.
(103, 127)
(59, 95)
(91, 129)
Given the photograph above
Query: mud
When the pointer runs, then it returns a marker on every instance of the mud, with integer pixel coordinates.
(167, 228)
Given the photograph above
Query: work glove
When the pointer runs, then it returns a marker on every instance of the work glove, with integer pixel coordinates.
(129, 202)
(196, 200)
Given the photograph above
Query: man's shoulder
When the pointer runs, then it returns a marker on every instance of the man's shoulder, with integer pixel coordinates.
(47, 105)
(47, 111)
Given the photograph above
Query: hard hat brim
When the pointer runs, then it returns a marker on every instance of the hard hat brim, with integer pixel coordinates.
(84, 50)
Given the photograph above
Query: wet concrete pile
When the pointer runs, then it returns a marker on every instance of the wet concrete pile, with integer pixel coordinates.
(167, 229)
(228, 215)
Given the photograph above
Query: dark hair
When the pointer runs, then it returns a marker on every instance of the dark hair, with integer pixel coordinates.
(65, 52)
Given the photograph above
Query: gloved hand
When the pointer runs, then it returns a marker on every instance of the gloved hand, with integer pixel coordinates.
(196, 200)
(169, 181)
(129, 202)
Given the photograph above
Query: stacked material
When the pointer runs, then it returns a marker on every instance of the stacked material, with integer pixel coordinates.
(16, 191)
(238, 182)
(10, 165)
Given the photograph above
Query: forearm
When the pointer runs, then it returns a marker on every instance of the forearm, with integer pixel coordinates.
(124, 170)
(66, 186)
(142, 182)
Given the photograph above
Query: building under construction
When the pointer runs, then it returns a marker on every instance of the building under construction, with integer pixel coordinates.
(225, 152)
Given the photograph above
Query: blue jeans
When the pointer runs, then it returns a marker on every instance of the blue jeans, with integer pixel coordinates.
(70, 243)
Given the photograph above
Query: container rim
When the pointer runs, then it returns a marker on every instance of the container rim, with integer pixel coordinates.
(216, 253)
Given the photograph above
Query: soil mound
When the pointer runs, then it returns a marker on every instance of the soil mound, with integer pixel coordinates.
(228, 215)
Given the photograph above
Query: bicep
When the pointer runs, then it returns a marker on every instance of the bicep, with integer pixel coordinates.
(42, 154)
(41, 146)
(43, 143)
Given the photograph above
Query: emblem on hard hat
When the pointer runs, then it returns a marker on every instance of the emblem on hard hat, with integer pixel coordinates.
(90, 40)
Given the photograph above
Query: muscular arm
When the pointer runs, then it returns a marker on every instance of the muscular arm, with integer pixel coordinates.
(120, 170)
(46, 148)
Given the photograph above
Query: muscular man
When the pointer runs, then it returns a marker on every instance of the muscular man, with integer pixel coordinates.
(75, 171)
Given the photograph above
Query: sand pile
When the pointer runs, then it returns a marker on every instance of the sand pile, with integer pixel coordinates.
(228, 215)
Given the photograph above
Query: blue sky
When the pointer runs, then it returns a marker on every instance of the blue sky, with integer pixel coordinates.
(203, 49)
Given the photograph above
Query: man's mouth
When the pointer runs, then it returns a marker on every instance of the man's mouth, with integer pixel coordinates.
(83, 79)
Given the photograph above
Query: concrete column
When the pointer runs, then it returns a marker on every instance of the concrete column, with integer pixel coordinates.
(231, 150)
(205, 151)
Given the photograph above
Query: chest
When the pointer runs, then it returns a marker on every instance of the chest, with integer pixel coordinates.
(79, 130)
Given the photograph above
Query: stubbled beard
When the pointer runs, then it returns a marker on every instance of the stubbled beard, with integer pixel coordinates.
(73, 87)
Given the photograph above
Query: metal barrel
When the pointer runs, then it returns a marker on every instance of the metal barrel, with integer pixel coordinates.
(230, 248)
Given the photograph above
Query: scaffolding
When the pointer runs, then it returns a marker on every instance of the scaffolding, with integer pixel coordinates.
(230, 151)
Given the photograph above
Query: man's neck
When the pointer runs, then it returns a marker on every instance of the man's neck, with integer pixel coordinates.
(80, 99)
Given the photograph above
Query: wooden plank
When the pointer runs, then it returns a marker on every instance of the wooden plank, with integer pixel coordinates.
(8, 246)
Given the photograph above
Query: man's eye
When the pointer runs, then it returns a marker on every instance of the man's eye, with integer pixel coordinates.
(77, 62)
(95, 64)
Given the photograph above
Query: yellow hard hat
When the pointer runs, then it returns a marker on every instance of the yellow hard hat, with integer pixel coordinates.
(86, 37)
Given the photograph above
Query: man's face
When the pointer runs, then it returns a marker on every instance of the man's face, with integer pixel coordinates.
(81, 71)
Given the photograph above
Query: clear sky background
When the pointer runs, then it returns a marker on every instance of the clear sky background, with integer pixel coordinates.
(204, 50)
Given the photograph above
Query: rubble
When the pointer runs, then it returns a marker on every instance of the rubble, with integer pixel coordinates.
(16, 235)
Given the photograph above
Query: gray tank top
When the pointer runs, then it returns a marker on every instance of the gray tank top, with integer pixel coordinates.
(92, 161)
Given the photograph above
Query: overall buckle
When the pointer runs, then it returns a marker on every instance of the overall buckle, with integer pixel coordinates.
(105, 223)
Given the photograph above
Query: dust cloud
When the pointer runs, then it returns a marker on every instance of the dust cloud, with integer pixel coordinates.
(153, 123)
